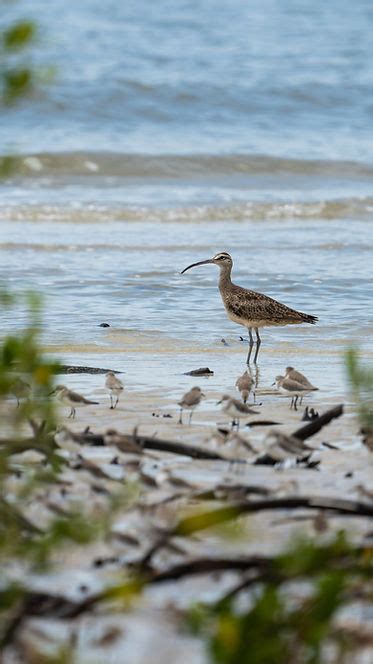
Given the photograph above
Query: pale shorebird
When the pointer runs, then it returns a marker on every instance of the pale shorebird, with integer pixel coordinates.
(115, 387)
(293, 389)
(235, 409)
(248, 308)
(190, 401)
(72, 399)
(20, 389)
(244, 385)
(293, 374)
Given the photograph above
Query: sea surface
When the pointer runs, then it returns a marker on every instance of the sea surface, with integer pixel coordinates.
(167, 132)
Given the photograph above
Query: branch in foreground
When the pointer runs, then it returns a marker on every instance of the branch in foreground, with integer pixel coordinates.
(204, 520)
(316, 425)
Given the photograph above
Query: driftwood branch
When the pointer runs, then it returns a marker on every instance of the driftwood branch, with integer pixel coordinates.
(316, 425)
(150, 443)
(214, 517)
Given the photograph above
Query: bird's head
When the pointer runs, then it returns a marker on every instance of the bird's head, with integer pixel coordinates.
(57, 390)
(198, 391)
(224, 398)
(278, 380)
(222, 259)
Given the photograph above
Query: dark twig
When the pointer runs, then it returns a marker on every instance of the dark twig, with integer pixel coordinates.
(314, 427)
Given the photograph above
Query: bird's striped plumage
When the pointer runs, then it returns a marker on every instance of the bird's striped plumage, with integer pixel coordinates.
(249, 308)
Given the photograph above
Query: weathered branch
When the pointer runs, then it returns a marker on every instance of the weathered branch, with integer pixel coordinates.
(200, 521)
(315, 425)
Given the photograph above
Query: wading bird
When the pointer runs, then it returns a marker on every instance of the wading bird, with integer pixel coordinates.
(72, 399)
(248, 308)
(293, 389)
(115, 387)
(190, 401)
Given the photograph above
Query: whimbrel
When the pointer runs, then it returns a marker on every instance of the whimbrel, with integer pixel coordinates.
(190, 401)
(251, 309)
(72, 399)
(115, 387)
(235, 409)
(293, 389)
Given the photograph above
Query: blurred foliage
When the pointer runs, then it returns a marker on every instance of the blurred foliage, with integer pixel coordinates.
(28, 423)
(361, 381)
(18, 75)
(292, 608)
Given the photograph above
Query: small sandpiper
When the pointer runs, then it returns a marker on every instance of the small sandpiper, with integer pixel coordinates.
(20, 389)
(293, 389)
(235, 409)
(72, 399)
(244, 385)
(190, 401)
(293, 374)
(115, 387)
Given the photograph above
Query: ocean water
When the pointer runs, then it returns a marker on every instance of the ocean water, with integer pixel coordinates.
(170, 132)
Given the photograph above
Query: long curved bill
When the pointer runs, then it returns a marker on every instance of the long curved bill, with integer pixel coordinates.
(195, 265)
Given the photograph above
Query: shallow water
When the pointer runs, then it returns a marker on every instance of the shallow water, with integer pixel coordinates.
(176, 132)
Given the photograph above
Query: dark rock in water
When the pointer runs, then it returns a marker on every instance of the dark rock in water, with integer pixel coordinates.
(223, 341)
(104, 325)
(203, 371)
(68, 369)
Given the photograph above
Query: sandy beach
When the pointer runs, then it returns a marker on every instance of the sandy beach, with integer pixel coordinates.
(165, 487)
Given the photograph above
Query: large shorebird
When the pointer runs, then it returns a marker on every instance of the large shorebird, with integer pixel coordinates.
(248, 308)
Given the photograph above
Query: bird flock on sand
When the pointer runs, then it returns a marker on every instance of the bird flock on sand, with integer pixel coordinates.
(245, 307)
(293, 384)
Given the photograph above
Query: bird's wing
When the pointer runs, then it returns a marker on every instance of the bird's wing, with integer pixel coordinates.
(241, 407)
(293, 385)
(255, 306)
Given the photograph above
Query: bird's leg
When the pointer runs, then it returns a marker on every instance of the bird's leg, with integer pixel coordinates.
(71, 412)
(258, 342)
(190, 416)
(17, 402)
(295, 402)
(291, 402)
(301, 399)
(251, 343)
(116, 402)
(181, 416)
(111, 401)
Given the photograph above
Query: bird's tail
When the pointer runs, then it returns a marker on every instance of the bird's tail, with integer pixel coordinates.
(308, 318)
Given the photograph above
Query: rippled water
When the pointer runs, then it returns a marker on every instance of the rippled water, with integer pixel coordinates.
(172, 132)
